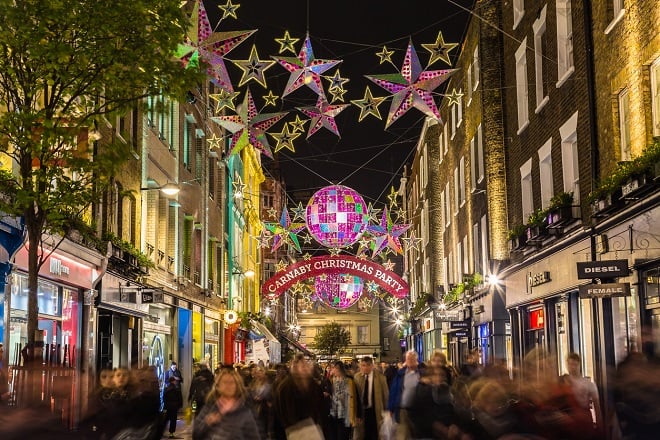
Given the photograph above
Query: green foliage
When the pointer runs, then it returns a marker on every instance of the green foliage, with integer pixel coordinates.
(516, 231)
(626, 170)
(469, 283)
(246, 319)
(421, 303)
(331, 339)
(561, 200)
(68, 66)
(537, 218)
(142, 259)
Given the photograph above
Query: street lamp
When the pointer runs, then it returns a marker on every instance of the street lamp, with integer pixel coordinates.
(169, 189)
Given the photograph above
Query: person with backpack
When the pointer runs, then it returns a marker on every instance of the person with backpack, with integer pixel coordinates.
(200, 386)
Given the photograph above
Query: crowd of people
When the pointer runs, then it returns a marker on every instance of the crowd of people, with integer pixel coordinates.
(363, 400)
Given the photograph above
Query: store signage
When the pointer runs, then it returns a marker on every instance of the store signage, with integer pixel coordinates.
(458, 324)
(57, 268)
(461, 334)
(606, 290)
(602, 269)
(335, 264)
(448, 315)
(536, 279)
(127, 296)
(151, 297)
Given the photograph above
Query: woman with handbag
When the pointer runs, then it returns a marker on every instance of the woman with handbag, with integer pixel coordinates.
(344, 408)
(225, 415)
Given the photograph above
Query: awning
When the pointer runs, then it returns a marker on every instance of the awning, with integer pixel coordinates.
(297, 345)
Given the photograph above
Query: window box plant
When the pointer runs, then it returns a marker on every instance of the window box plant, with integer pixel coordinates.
(560, 211)
(536, 226)
(518, 237)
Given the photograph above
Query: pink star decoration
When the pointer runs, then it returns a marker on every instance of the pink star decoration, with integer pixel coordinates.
(323, 115)
(412, 87)
(386, 234)
(305, 69)
(285, 231)
(249, 127)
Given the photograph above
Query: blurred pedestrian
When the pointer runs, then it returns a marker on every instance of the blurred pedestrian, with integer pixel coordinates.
(173, 402)
(175, 373)
(432, 411)
(225, 415)
(584, 389)
(200, 386)
(374, 392)
(261, 400)
(344, 403)
(402, 393)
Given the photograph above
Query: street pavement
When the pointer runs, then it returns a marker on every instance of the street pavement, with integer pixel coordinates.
(183, 430)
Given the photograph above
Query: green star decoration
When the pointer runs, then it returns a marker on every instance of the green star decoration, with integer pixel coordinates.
(287, 43)
(368, 105)
(298, 125)
(285, 139)
(385, 55)
(253, 68)
(224, 99)
(270, 98)
(229, 10)
(439, 50)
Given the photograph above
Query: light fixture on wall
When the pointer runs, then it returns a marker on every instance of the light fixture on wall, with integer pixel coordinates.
(169, 189)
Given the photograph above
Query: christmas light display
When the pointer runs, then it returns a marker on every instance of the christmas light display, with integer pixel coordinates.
(339, 291)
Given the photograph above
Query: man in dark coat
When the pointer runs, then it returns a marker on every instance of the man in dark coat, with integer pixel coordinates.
(200, 386)
(173, 401)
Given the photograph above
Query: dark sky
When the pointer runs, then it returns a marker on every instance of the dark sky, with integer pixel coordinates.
(367, 157)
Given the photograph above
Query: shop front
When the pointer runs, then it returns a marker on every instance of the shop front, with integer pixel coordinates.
(490, 319)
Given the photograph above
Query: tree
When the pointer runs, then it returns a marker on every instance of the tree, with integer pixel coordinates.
(331, 339)
(67, 66)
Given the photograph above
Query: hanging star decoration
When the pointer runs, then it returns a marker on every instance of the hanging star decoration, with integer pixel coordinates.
(263, 240)
(371, 286)
(285, 231)
(305, 69)
(224, 99)
(307, 239)
(368, 105)
(338, 95)
(386, 234)
(454, 97)
(337, 81)
(249, 127)
(412, 242)
(385, 55)
(238, 186)
(285, 139)
(323, 115)
(400, 214)
(287, 43)
(389, 265)
(298, 287)
(253, 68)
(373, 212)
(280, 266)
(202, 43)
(334, 251)
(298, 125)
(392, 197)
(299, 211)
(214, 141)
(439, 50)
(412, 87)
(307, 256)
(270, 99)
(272, 213)
(229, 10)
(365, 303)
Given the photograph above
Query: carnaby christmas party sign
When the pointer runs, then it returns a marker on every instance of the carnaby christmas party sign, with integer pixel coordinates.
(335, 264)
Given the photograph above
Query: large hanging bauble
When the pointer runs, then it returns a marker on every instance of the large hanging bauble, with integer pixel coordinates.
(336, 216)
(339, 291)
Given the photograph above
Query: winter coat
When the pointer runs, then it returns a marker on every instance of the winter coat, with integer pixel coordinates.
(238, 424)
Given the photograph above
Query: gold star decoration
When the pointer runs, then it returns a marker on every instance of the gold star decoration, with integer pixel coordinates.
(272, 213)
(371, 286)
(224, 99)
(270, 98)
(389, 265)
(286, 43)
(338, 95)
(362, 256)
(368, 105)
(454, 97)
(336, 81)
(229, 10)
(400, 214)
(307, 256)
(334, 251)
(439, 50)
(412, 242)
(239, 187)
(392, 196)
(214, 141)
(285, 139)
(263, 240)
(253, 68)
(281, 265)
(385, 55)
(307, 239)
(298, 125)
(373, 213)
(299, 211)
(298, 287)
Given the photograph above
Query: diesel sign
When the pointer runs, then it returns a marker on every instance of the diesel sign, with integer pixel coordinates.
(608, 290)
(602, 269)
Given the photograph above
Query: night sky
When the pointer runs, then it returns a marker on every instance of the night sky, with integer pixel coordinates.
(367, 157)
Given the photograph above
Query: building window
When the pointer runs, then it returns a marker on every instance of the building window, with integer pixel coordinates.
(461, 181)
(569, 157)
(446, 139)
(540, 54)
(363, 334)
(457, 196)
(468, 78)
(484, 245)
(459, 109)
(442, 140)
(466, 256)
(527, 195)
(480, 153)
(475, 248)
(476, 68)
(443, 210)
(473, 165)
(518, 11)
(454, 120)
(447, 205)
(521, 86)
(615, 13)
(459, 262)
(450, 269)
(564, 41)
(624, 123)
(545, 171)
(655, 96)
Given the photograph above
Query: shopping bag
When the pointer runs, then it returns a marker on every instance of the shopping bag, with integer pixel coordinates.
(387, 429)
(188, 415)
(305, 429)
